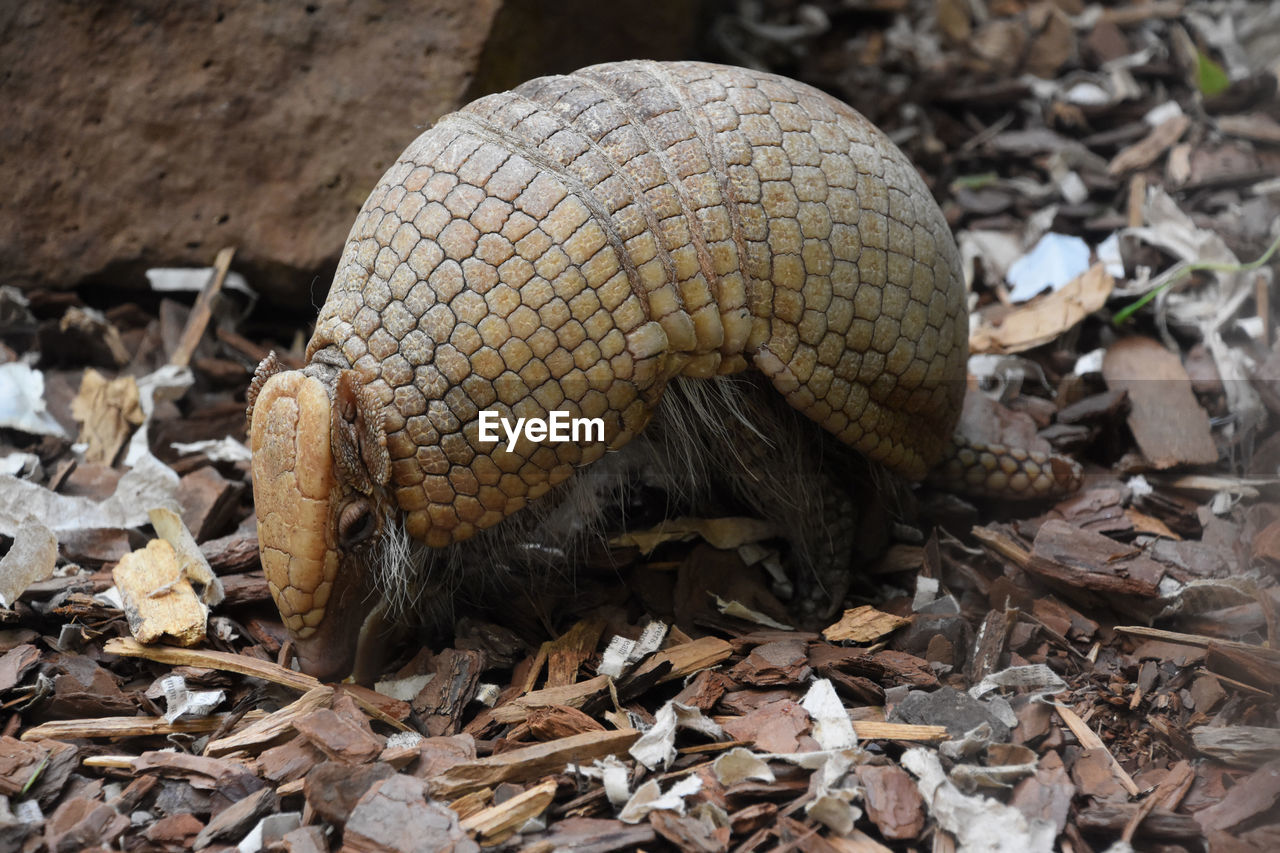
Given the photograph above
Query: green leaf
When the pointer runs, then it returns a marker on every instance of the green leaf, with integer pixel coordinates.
(1210, 77)
(974, 182)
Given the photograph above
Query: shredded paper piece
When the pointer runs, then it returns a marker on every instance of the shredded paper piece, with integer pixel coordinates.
(978, 823)
(30, 559)
(738, 610)
(649, 797)
(1039, 679)
(831, 726)
(217, 450)
(657, 746)
(740, 765)
(182, 702)
(623, 652)
(22, 405)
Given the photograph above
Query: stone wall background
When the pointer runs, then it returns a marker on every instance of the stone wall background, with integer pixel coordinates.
(145, 133)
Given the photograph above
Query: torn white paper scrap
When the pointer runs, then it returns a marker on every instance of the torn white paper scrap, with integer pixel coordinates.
(22, 405)
(216, 450)
(739, 765)
(968, 745)
(1036, 678)
(182, 702)
(151, 483)
(167, 383)
(650, 638)
(971, 777)
(18, 464)
(738, 610)
(616, 778)
(978, 823)
(623, 652)
(649, 797)
(405, 688)
(30, 559)
(1109, 254)
(193, 280)
(1052, 263)
(616, 655)
(657, 746)
(832, 804)
(834, 811)
(831, 726)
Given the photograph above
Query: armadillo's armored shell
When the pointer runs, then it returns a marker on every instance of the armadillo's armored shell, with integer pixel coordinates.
(574, 243)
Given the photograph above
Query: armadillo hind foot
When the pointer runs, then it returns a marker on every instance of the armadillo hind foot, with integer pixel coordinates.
(574, 246)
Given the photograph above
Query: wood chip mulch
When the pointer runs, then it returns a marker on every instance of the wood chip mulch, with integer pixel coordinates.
(1100, 673)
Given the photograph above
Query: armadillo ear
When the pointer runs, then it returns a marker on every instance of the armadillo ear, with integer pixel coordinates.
(357, 437)
(267, 368)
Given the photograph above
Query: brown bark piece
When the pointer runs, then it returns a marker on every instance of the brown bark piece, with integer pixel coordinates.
(306, 839)
(176, 829)
(229, 780)
(340, 737)
(685, 658)
(1169, 425)
(688, 833)
(438, 754)
(772, 664)
(237, 819)
(19, 764)
(557, 721)
(123, 727)
(202, 310)
(893, 801)
(441, 701)
(1080, 559)
(1251, 796)
(775, 727)
(496, 823)
(887, 667)
(273, 726)
(80, 824)
(1112, 818)
(1046, 795)
(289, 761)
(1093, 775)
(243, 664)
(596, 835)
(567, 653)
(209, 501)
(15, 663)
(395, 815)
(1258, 666)
(704, 690)
(333, 788)
(1046, 317)
(990, 644)
(863, 625)
(530, 762)
(570, 695)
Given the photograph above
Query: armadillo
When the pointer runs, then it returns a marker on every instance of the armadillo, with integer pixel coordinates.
(583, 244)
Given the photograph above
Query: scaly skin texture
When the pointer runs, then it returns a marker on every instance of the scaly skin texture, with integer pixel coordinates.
(575, 244)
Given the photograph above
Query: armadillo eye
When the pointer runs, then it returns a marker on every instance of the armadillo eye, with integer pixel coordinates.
(356, 524)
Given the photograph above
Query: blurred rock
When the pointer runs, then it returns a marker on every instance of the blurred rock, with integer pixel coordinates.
(148, 133)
